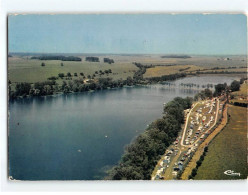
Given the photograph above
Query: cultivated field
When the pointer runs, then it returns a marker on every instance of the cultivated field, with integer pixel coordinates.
(22, 69)
(158, 71)
(203, 61)
(228, 151)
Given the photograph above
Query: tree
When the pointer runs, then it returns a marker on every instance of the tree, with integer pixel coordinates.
(175, 109)
(22, 89)
(92, 59)
(198, 163)
(126, 173)
(64, 84)
(208, 93)
(47, 90)
(186, 103)
(52, 78)
(75, 74)
(219, 89)
(194, 172)
(61, 75)
(242, 80)
(61, 64)
(235, 86)
(42, 64)
(68, 74)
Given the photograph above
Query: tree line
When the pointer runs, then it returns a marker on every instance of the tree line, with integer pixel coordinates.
(37, 89)
(176, 56)
(62, 58)
(108, 60)
(142, 155)
(92, 59)
(198, 164)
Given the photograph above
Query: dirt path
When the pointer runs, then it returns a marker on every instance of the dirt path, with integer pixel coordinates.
(192, 164)
(185, 127)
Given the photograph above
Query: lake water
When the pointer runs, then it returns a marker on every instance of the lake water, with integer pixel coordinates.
(80, 136)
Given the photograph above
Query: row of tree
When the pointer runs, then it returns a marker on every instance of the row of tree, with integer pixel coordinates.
(108, 60)
(80, 86)
(62, 58)
(221, 72)
(92, 59)
(190, 85)
(170, 77)
(141, 156)
(198, 164)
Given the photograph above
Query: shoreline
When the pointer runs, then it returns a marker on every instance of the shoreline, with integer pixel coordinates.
(124, 86)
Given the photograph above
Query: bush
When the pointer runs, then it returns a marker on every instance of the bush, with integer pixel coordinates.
(235, 85)
(194, 172)
(190, 177)
(61, 75)
(198, 163)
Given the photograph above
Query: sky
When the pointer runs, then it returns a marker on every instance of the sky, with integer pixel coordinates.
(213, 34)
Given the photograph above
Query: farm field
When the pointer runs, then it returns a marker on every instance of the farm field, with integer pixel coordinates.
(22, 69)
(203, 61)
(228, 151)
(158, 71)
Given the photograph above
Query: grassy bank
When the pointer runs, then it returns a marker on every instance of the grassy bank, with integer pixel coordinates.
(228, 151)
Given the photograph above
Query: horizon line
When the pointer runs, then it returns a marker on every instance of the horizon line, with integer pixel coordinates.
(13, 52)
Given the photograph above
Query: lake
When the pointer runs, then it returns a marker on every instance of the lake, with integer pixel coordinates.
(79, 136)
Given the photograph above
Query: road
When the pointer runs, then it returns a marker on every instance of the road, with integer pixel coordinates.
(186, 124)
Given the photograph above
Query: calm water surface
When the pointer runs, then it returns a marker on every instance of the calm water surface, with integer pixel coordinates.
(80, 136)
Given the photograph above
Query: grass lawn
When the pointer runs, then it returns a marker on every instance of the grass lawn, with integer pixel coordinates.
(228, 151)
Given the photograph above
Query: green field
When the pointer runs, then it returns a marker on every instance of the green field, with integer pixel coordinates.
(228, 151)
(241, 95)
(23, 69)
